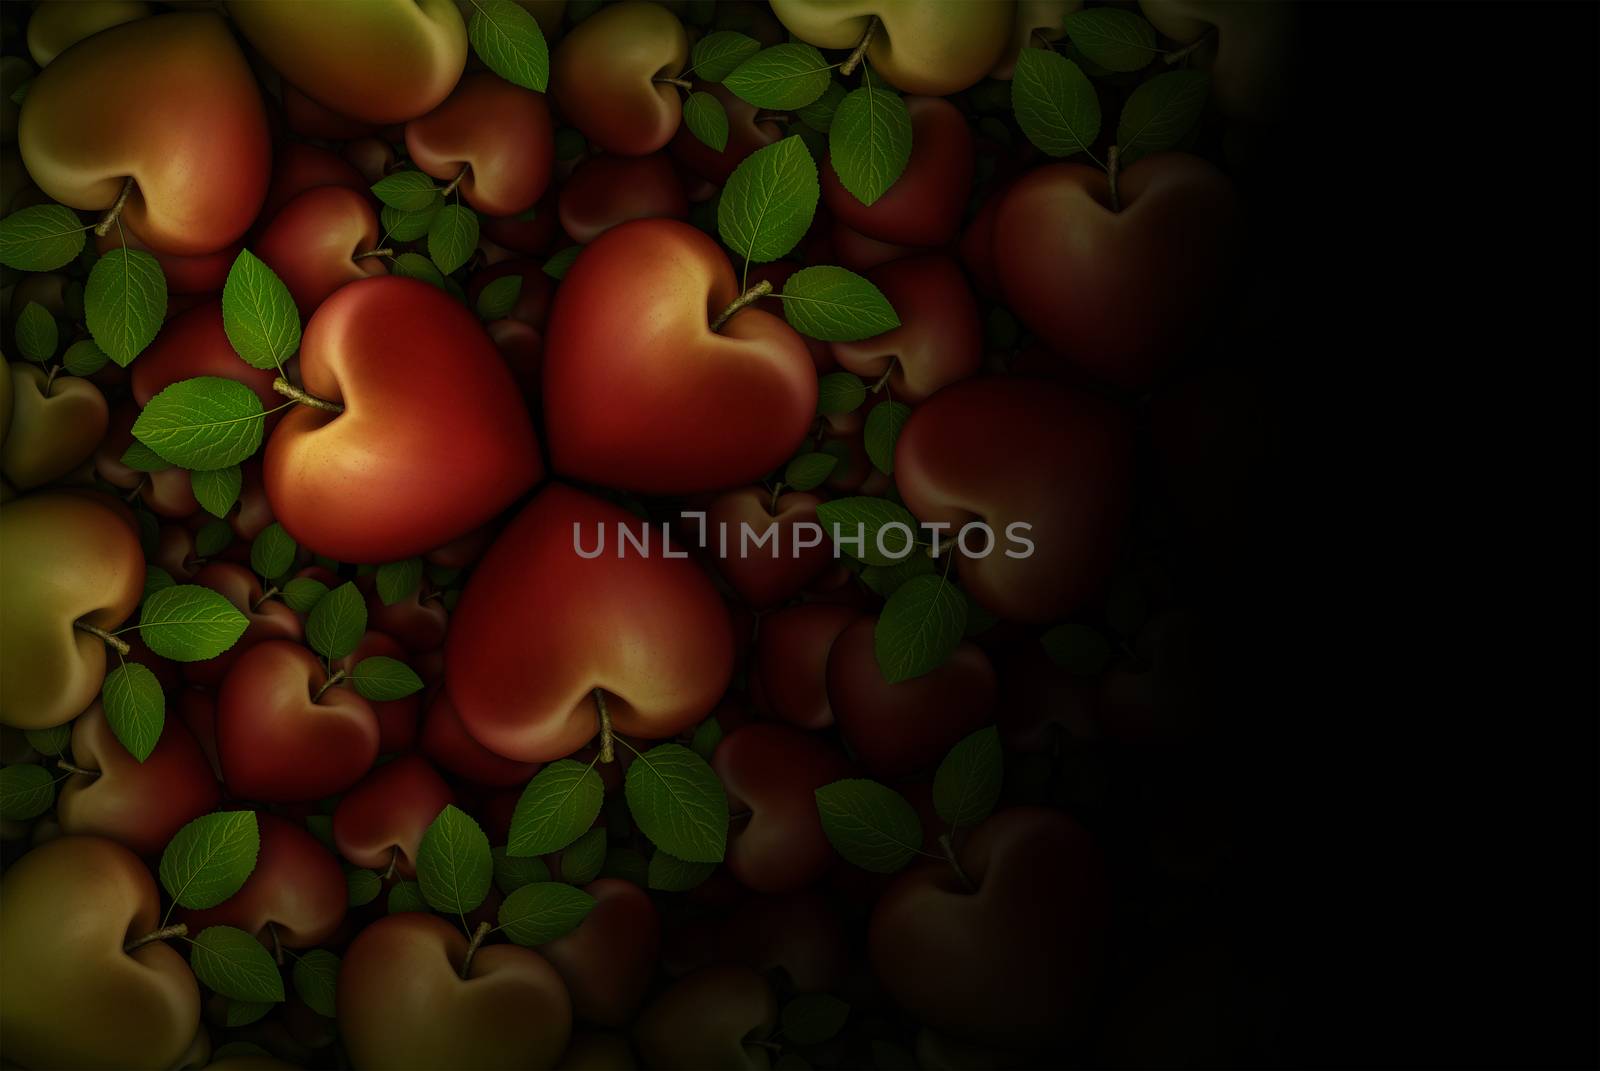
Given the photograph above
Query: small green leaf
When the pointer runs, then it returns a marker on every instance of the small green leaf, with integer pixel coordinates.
(582, 859)
(840, 392)
(316, 979)
(509, 42)
(361, 886)
(558, 806)
(782, 77)
(1078, 649)
(818, 115)
(543, 911)
(140, 458)
(869, 142)
(1160, 113)
(273, 551)
(967, 786)
(258, 313)
(769, 201)
(302, 593)
(512, 872)
(706, 119)
(212, 538)
(41, 238)
(499, 297)
(383, 679)
(556, 267)
(51, 741)
(883, 431)
(885, 580)
(209, 860)
(203, 423)
(677, 801)
(452, 236)
(454, 867)
(405, 226)
(407, 896)
(84, 358)
(245, 1012)
(190, 623)
(1112, 38)
(717, 54)
(869, 824)
(26, 792)
(36, 333)
(416, 266)
(668, 873)
(125, 303)
(836, 305)
(399, 580)
(919, 627)
(337, 622)
(217, 489)
(235, 964)
(156, 579)
(871, 530)
(809, 470)
(812, 1018)
(707, 735)
(407, 191)
(1055, 103)
(135, 707)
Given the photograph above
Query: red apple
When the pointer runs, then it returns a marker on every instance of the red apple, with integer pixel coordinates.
(381, 821)
(297, 889)
(397, 718)
(604, 74)
(774, 572)
(201, 273)
(925, 204)
(315, 243)
(499, 131)
(774, 771)
(939, 340)
(609, 961)
(269, 619)
(299, 167)
(446, 741)
(607, 190)
(789, 671)
(194, 343)
(533, 299)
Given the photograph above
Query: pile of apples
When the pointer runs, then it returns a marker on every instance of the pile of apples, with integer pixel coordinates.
(334, 331)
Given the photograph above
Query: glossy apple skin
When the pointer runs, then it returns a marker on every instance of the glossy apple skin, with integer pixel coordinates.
(169, 100)
(379, 61)
(277, 745)
(939, 340)
(772, 573)
(921, 47)
(1069, 456)
(194, 343)
(538, 629)
(397, 718)
(203, 273)
(297, 888)
(298, 167)
(745, 136)
(425, 450)
(416, 622)
(64, 557)
(403, 1004)
(1120, 295)
(925, 204)
(140, 805)
(390, 809)
(502, 130)
(900, 729)
(789, 670)
(56, 26)
(446, 741)
(54, 425)
(602, 77)
(607, 190)
(774, 771)
(640, 394)
(269, 620)
(608, 962)
(706, 1019)
(1027, 946)
(313, 241)
(71, 904)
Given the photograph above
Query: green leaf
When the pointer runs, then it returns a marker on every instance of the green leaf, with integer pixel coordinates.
(416, 266)
(302, 593)
(717, 54)
(499, 297)
(258, 314)
(1078, 649)
(1115, 39)
(840, 392)
(769, 200)
(408, 191)
(919, 627)
(245, 1012)
(140, 458)
(135, 708)
(582, 859)
(809, 470)
(125, 303)
(407, 896)
(405, 226)
(452, 236)
(84, 358)
(668, 873)
(316, 979)
(203, 423)
(869, 142)
(678, 803)
(361, 886)
(885, 580)
(707, 735)
(453, 863)
(273, 551)
(819, 114)
(217, 489)
(36, 332)
(836, 305)
(208, 860)
(156, 579)
(869, 824)
(1160, 113)
(510, 43)
(812, 1018)
(883, 431)
(846, 518)
(782, 77)
(212, 539)
(26, 792)
(337, 622)
(534, 914)
(189, 623)
(556, 267)
(235, 964)
(52, 741)
(41, 238)
(706, 119)
(1055, 103)
(559, 804)
(399, 580)
(512, 872)
(382, 679)
(967, 786)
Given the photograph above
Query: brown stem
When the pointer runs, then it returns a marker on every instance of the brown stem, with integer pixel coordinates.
(394, 863)
(1183, 53)
(848, 67)
(608, 750)
(329, 683)
(177, 929)
(289, 390)
(50, 379)
(682, 83)
(955, 864)
(277, 945)
(773, 509)
(887, 372)
(1111, 178)
(448, 190)
(749, 297)
(265, 595)
(472, 949)
(373, 253)
(133, 494)
(103, 228)
(63, 764)
(115, 643)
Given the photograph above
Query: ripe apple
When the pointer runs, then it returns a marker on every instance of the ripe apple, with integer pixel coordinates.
(925, 204)
(381, 821)
(316, 241)
(789, 670)
(604, 74)
(55, 27)
(298, 167)
(269, 619)
(446, 741)
(609, 961)
(397, 718)
(295, 896)
(774, 771)
(195, 343)
(939, 340)
(919, 47)
(499, 131)
(766, 575)
(55, 423)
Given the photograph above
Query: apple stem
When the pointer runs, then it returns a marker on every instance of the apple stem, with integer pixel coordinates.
(115, 643)
(374, 253)
(394, 863)
(749, 297)
(883, 380)
(103, 228)
(277, 945)
(1184, 53)
(448, 190)
(265, 595)
(1112, 166)
(472, 949)
(177, 929)
(608, 750)
(772, 117)
(848, 67)
(682, 83)
(63, 764)
(289, 390)
(329, 683)
(773, 509)
(955, 864)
